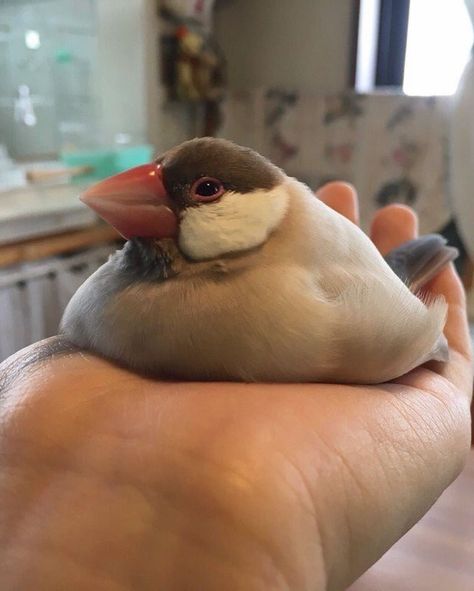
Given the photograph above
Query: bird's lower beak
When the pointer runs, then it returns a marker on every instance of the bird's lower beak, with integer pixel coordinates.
(135, 202)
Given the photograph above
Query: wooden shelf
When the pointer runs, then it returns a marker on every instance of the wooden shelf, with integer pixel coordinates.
(47, 246)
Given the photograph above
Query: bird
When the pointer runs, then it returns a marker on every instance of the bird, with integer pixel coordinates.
(234, 271)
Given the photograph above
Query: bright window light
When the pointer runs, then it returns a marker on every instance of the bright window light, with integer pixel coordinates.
(32, 39)
(439, 41)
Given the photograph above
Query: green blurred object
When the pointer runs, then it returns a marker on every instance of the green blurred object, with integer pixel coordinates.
(130, 156)
(101, 161)
(63, 56)
(106, 163)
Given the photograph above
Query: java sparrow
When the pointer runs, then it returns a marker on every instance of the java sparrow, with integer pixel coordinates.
(235, 271)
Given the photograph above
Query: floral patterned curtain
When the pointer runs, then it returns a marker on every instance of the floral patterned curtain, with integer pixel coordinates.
(391, 147)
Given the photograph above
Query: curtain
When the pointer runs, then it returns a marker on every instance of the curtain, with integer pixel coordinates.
(462, 152)
(391, 147)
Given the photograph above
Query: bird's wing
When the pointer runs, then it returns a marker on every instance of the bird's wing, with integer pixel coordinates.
(416, 262)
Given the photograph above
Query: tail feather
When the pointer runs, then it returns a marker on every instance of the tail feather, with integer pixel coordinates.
(440, 351)
(417, 261)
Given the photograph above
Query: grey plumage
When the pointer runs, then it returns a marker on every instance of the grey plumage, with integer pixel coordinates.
(417, 261)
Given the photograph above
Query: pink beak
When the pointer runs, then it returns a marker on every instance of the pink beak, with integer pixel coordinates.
(135, 202)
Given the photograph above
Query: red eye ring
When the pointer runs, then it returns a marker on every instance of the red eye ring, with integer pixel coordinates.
(206, 189)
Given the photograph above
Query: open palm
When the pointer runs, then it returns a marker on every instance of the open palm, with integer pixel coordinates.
(113, 482)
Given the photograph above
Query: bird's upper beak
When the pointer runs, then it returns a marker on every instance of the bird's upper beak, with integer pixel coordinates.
(135, 202)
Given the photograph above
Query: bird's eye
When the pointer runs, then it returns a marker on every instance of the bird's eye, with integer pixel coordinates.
(207, 189)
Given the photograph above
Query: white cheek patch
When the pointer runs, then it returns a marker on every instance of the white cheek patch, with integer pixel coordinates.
(234, 223)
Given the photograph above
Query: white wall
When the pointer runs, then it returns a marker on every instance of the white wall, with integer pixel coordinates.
(130, 94)
(127, 82)
(301, 44)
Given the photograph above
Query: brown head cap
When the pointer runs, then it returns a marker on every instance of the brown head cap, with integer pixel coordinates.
(240, 169)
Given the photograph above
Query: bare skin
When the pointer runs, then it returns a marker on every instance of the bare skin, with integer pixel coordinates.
(113, 482)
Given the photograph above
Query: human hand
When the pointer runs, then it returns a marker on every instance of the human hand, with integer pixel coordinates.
(114, 482)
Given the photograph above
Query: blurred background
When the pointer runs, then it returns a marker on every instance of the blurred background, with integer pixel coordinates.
(376, 92)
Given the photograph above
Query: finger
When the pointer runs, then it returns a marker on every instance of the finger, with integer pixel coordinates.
(342, 197)
(459, 369)
(393, 225)
(448, 284)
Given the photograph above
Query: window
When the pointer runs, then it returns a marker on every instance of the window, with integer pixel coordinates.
(421, 46)
(438, 46)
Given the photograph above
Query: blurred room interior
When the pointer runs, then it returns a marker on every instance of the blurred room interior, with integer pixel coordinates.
(375, 92)
(355, 90)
